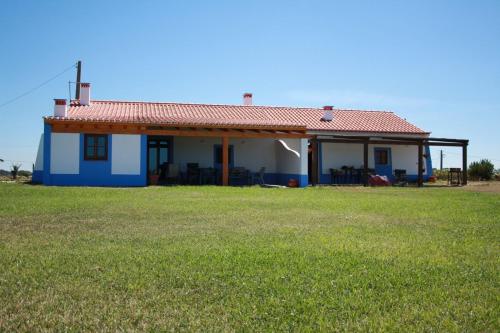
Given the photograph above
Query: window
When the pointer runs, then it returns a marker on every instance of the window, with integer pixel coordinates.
(96, 147)
(381, 157)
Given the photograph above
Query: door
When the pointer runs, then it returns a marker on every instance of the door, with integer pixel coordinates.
(383, 162)
(158, 153)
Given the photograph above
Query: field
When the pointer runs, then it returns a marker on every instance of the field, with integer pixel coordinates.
(249, 259)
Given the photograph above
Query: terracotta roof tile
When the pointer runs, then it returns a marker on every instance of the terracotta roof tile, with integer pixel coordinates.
(234, 115)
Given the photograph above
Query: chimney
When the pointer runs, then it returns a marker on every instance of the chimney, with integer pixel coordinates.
(85, 93)
(247, 99)
(328, 115)
(60, 108)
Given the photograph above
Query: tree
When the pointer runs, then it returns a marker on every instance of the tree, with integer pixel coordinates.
(14, 170)
(482, 170)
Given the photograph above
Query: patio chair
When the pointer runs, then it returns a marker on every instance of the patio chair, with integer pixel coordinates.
(239, 176)
(208, 176)
(400, 177)
(193, 174)
(335, 176)
(258, 177)
(173, 174)
(163, 172)
(454, 176)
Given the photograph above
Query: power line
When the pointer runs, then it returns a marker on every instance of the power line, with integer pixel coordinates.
(18, 161)
(37, 87)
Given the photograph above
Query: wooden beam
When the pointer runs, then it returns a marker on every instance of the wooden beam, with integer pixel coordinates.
(365, 163)
(420, 179)
(104, 129)
(448, 140)
(186, 126)
(376, 136)
(464, 164)
(444, 144)
(375, 142)
(398, 138)
(389, 142)
(225, 161)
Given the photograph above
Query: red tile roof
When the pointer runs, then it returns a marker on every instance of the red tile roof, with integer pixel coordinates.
(240, 115)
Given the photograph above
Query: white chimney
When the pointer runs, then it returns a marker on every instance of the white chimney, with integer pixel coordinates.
(85, 93)
(247, 99)
(328, 115)
(60, 108)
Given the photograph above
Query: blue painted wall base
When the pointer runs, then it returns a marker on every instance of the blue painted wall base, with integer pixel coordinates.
(37, 177)
(283, 178)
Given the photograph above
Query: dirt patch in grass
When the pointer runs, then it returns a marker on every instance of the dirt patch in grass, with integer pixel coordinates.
(491, 187)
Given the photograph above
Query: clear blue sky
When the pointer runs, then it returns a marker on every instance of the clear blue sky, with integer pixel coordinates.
(436, 63)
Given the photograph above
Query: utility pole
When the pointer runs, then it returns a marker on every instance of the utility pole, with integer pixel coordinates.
(441, 161)
(78, 78)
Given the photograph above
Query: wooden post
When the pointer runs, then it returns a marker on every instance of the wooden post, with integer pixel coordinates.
(225, 161)
(464, 164)
(78, 78)
(314, 160)
(420, 180)
(365, 163)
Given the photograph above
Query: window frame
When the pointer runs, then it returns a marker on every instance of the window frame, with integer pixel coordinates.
(96, 157)
(158, 142)
(379, 153)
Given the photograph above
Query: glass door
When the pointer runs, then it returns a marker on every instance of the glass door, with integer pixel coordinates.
(158, 154)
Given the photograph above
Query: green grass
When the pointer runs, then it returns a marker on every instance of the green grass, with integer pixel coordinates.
(248, 259)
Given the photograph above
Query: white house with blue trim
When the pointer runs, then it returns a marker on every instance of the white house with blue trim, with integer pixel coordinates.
(123, 143)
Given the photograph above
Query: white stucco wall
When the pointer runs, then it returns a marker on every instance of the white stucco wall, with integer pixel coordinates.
(125, 154)
(248, 152)
(39, 155)
(336, 155)
(254, 154)
(194, 150)
(65, 153)
(291, 156)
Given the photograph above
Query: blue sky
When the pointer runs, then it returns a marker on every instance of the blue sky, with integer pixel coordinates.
(435, 63)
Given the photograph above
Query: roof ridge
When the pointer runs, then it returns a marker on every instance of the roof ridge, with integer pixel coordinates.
(236, 105)
(207, 104)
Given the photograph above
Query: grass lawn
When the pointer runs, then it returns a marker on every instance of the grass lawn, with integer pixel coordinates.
(249, 259)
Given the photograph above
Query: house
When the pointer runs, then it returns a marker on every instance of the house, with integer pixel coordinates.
(120, 143)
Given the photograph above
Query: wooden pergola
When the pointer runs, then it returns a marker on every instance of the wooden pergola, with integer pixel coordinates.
(224, 132)
(420, 142)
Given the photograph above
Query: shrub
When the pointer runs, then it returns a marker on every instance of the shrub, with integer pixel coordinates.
(24, 173)
(482, 170)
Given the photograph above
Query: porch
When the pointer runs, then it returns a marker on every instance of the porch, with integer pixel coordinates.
(202, 160)
(363, 156)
